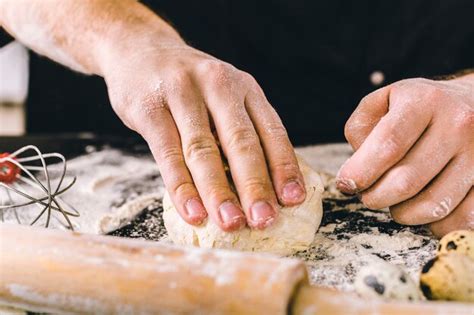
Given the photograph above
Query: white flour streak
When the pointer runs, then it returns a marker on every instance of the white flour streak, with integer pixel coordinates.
(443, 209)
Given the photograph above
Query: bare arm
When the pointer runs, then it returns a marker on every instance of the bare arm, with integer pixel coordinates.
(79, 34)
(176, 97)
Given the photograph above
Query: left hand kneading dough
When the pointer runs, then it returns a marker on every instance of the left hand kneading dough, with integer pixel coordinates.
(293, 230)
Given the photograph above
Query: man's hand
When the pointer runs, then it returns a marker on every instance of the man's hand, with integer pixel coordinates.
(182, 101)
(179, 99)
(414, 152)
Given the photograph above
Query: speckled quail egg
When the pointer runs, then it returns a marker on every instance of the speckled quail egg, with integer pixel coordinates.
(461, 242)
(387, 281)
(448, 277)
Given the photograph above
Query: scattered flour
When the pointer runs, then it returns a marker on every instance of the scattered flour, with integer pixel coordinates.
(114, 189)
(111, 189)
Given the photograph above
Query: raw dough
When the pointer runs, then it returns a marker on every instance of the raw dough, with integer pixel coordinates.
(293, 231)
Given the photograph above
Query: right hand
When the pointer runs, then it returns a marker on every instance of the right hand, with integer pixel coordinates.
(176, 97)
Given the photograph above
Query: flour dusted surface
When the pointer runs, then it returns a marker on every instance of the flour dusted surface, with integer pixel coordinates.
(116, 188)
(111, 189)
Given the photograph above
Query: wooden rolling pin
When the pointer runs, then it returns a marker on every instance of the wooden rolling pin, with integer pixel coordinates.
(56, 271)
(65, 272)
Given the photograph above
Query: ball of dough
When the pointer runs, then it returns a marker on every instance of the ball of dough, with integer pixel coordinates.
(448, 277)
(293, 230)
(387, 281)
(461, 242)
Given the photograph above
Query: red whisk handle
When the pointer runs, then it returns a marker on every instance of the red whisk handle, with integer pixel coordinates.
(8, 170)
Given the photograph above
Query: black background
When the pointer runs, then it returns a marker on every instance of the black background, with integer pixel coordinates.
(312, 58)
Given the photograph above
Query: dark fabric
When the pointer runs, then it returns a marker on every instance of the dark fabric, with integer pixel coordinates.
(5, 38)
(312, 58)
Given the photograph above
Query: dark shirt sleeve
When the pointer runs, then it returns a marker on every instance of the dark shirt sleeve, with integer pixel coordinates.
(5, 38)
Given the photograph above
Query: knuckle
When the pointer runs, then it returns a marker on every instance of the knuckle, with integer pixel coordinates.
(151, 103)
(200, 147)
(247, 76)
(276, 131)
(179, 79)
(256, 185)
(365, 100)
(287, 168)
(357, 123)
(405, 84)
(124, 107)
(404, 185)
(128, 117)
(398, 88)
(170, 156)
(250, 80)
(464, 121)
(412, 81)
(118, 101)
(143, 109)
(349, 129)
(242, 140)
(414, 91)
(217, 72)
(391, 148)
(209, 65)
(432, 93)
(404, 87)
(182, 189)
(219, 193)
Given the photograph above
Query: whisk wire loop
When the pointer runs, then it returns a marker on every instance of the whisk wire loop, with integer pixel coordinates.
(19, 177)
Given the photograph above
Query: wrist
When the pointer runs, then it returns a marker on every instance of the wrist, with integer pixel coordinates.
(138, 34)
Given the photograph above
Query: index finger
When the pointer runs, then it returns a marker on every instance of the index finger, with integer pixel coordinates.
(366, 116)
(387, 143)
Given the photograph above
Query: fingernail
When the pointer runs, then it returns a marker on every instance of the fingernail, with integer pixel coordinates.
(346, 185)
(262, 214)
(293, 192)
(195, 209)
(230, 213)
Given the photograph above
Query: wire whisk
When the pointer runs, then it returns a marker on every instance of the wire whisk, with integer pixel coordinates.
(27, 170)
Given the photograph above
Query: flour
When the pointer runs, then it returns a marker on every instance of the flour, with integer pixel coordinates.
(341, 249)
(111, 189)
(349, 238)
(114, 189)
(385, 242)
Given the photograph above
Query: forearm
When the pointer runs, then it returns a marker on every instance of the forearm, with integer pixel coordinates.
(82, 34)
